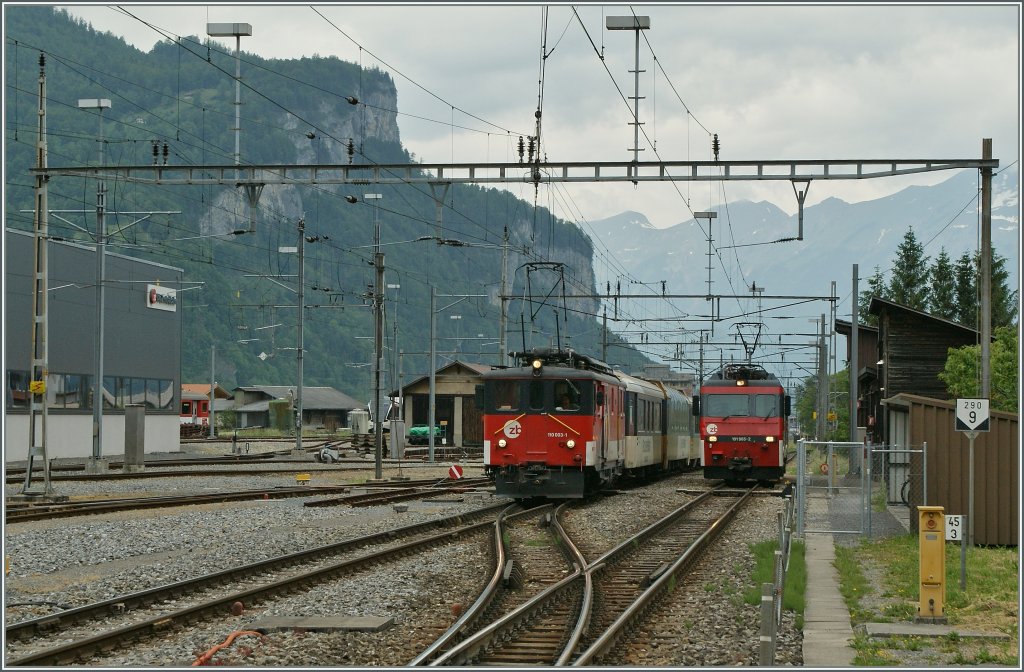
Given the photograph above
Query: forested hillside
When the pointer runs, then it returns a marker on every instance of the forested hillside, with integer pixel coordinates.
(175, 104)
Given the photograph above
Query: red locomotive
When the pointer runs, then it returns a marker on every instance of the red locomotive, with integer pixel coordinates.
(743, 412)
(195, 409)
(563, 425)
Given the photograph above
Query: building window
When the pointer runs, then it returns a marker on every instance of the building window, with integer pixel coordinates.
(66, 390)
(17, 389)
(76, 391)
(113, 392)
(73, 391)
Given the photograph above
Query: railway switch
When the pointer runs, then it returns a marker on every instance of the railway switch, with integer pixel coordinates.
(932, 561)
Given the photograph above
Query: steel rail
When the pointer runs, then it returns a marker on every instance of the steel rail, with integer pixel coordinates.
(469, 649)
(466, 650)
(606, 640)
(77, 650)
(487, 595)
(61, 510)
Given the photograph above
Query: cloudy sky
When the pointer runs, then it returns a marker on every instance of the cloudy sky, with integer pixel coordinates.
(774, 82)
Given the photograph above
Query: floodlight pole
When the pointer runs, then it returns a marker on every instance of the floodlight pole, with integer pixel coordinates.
(238, 30)
(636, 24)
(95, 463)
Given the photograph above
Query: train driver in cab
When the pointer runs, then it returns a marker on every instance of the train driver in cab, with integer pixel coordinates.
(566, 397)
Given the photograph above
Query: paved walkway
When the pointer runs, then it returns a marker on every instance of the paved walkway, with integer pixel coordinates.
(827, 631)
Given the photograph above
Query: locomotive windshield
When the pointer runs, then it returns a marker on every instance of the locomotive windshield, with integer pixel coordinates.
(741, 405)
(539, 395)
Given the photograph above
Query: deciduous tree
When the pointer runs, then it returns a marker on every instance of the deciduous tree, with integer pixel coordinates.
(962, 372)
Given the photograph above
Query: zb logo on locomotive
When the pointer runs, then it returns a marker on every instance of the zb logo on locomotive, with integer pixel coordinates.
(712, 428)
(513, 429)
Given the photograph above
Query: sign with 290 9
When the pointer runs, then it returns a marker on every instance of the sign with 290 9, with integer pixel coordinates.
(972, 415)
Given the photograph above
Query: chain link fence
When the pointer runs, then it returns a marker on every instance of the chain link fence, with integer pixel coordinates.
(858, 490)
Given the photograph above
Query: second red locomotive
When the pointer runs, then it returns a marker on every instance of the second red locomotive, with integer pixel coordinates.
(743, 411)
(563, 425)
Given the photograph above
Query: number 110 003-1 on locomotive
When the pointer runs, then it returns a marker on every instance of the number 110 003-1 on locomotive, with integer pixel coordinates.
(563, 425)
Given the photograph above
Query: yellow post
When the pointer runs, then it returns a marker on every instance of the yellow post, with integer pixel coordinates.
(932, 559)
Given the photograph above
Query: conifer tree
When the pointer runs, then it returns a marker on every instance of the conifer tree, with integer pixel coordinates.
(966, 291)
(1004, 301)
(876, 287)
(909, 283)
(942, 290)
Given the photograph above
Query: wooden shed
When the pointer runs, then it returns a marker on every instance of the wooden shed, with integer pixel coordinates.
(913, 346)
(455, 408)
(918, 419)
(912, 350)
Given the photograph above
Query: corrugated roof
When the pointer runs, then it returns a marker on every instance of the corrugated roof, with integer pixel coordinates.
(313, 398)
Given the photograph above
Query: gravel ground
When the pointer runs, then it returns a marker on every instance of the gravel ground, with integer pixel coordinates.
(100, 556)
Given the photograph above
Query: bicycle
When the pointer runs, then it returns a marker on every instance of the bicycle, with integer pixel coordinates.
(905, 492)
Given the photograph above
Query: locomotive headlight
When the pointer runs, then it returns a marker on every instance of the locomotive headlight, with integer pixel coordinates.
(502, 443)
(712, 439)
(536, 364)
(570, 444)
(741, 383)
(769, 439)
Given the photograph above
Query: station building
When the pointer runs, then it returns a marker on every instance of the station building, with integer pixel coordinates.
(142, 349)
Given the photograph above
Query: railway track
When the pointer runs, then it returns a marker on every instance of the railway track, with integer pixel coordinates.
(525, 544)
(577, 620)
(405, 491)
(384, 493)
(139, 616)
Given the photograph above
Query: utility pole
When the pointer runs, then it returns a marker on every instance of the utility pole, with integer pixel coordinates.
(297, 451)
(820, 425)
(854, 365)
(431, 419)
(378, 338)
(502, 347)
(985, 271)
(40, 308)
(213, 389)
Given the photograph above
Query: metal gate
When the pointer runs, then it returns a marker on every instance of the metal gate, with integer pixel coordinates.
(838, 486)
(833, 488)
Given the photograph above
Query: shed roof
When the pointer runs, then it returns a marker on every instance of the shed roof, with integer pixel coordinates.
(313, 398)
(472, 367)
(878, 304)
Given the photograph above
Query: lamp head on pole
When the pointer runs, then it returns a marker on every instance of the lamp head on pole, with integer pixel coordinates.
(93, 103)
(229, 29)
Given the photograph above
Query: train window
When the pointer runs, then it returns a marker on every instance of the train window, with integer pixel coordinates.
(506, 395)
(766, 405)
(537, 394)
(724, 405)
(567, 396)
(186, 408)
